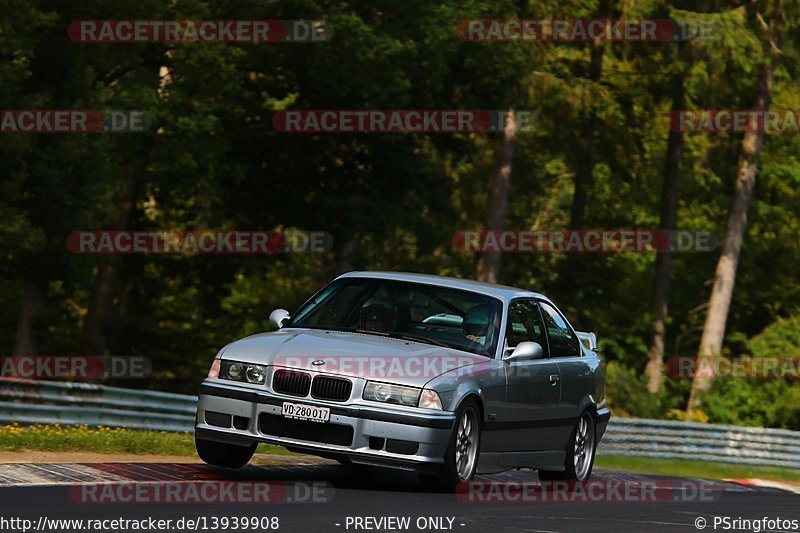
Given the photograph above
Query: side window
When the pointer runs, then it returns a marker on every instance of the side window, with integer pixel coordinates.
(525, 324)
(563, 343)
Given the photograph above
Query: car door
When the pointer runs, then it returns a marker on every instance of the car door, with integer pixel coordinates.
(533, 387)
(576, 371)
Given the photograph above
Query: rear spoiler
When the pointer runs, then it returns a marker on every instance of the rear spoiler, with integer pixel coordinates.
(589, 339)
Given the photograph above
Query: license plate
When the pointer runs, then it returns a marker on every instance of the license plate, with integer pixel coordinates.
(301, 411)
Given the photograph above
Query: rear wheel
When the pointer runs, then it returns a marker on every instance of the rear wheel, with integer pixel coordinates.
(461, 457)
(224, 454)
(580, 452)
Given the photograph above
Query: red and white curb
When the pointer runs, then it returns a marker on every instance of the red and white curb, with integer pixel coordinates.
(768, 483)
(37, 475)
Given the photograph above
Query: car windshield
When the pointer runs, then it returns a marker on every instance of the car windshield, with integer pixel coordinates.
(418, 312)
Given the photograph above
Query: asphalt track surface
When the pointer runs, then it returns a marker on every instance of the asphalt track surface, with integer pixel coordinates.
(510, 502)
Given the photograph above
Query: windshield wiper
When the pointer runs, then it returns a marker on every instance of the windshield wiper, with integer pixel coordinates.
(327, 328)
(345, 330)
(392, 335)
(425, 340)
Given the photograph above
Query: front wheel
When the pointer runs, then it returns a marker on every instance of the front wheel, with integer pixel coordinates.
(223, 454)
(580, 452)
(461, 457)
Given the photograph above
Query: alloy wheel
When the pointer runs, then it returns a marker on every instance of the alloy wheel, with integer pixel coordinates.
(466, 445)
(584, 446)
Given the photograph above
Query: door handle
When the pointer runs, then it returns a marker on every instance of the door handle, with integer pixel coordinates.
(554, 379)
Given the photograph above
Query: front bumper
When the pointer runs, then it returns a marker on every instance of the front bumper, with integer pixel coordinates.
(381, 435)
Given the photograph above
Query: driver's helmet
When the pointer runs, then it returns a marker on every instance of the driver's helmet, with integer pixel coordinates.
(378, 314)
(476, 321)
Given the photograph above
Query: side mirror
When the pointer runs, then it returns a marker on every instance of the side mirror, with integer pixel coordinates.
(589, 339)
(526, 351)
(278, 317)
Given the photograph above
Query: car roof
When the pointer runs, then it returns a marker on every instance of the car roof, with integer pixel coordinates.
(502, 292)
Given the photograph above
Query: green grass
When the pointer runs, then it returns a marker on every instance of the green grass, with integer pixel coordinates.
(703, 469)
(102, 439)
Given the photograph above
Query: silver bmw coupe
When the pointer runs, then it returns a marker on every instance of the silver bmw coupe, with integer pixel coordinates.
(443, 376)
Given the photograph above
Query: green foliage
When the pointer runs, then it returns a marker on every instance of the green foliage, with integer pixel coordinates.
(745, 402)
(214, 160)
(628, 395)
(771, 400)
(781, 338)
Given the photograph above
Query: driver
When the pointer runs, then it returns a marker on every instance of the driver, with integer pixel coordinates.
(476, 323)
(379, 315)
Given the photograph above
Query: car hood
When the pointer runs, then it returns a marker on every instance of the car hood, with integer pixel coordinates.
(358, 355)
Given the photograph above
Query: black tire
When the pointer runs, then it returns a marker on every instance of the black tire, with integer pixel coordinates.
(579, 470)
(223, 454)
(456, 469)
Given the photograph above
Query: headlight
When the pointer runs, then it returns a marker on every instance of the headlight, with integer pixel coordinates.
(255, 374)
(234, 371)
(385, 392)
(242, 372)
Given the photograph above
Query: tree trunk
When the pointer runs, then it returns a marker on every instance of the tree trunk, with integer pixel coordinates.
(100, 309)
(499, 185)
(725, 275)
(669, 221)
(25, 342)
(585, 162)
(343, 264)
(101, 303)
